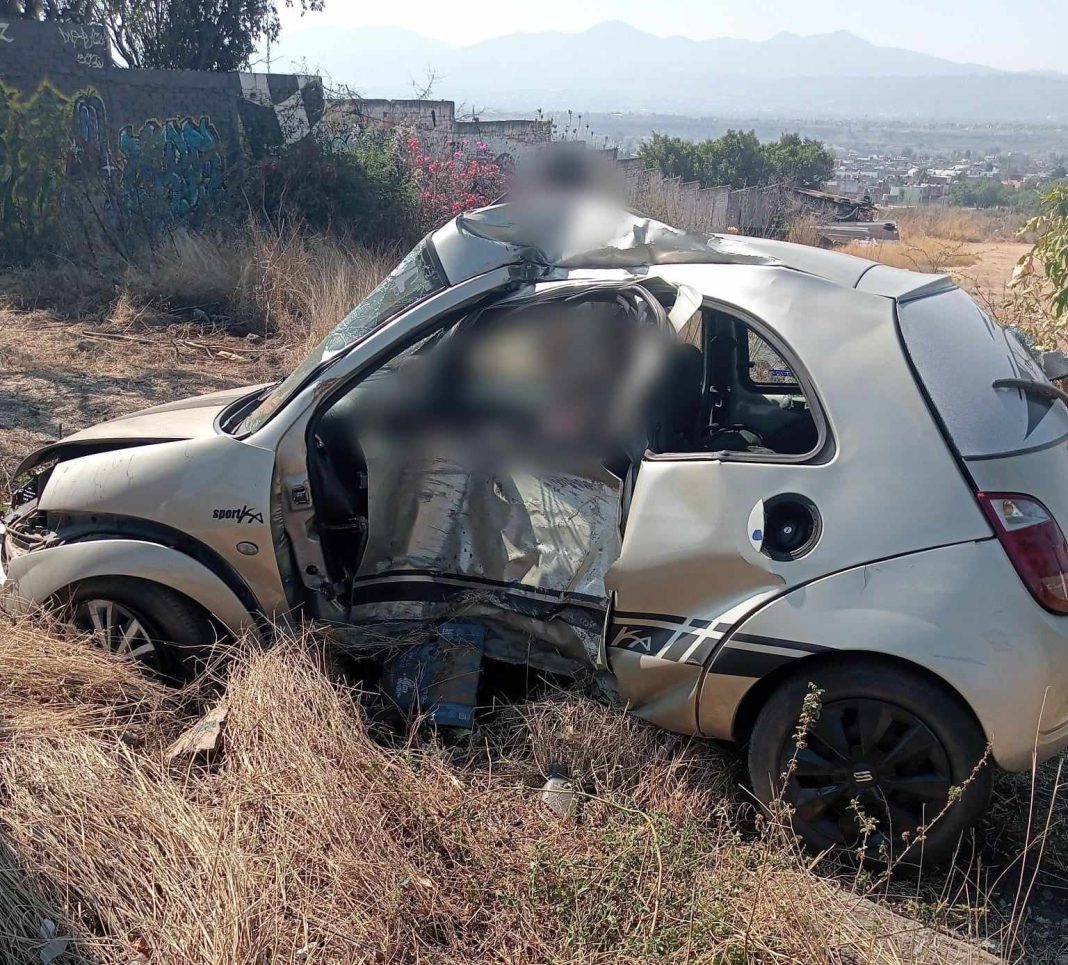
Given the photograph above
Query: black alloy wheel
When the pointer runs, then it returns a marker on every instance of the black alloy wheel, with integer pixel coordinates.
(866, 759)
(892, 766)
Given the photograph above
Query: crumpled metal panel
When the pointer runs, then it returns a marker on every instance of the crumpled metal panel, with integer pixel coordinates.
(523, 551)
(566, 233)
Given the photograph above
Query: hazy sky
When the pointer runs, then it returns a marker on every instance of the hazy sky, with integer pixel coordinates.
(1018, 35)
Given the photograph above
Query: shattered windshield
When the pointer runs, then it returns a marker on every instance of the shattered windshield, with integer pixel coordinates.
(417, 277)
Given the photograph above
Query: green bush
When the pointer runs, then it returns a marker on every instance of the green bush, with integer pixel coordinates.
(991, 193)
(1050, 252)
(358, 184)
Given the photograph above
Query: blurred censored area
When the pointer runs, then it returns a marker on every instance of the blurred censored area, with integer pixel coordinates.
(547, 384)
(494, 451)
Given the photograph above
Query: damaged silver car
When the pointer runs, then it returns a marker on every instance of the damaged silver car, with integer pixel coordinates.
(714, 470)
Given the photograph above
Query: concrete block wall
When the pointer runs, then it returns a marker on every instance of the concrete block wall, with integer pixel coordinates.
(436, 121)
(751, 211)
(164, 144)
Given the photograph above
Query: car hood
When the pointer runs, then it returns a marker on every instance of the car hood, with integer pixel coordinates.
(184, 419)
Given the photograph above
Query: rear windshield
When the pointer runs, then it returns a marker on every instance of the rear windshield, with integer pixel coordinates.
(959, 352)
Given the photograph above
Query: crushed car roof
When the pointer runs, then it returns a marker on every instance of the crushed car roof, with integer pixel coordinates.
(570, 234)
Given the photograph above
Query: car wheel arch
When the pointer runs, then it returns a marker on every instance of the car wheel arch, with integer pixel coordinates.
(95, 527)
(64, 596)
(42, 575)
(756, 697)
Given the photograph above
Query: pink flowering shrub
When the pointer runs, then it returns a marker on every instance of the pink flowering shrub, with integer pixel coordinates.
(458, 179)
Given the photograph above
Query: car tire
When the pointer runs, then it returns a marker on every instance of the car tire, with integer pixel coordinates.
(172, 638)
(890, 739)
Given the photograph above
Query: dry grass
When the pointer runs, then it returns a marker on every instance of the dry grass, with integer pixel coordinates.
(933, 239)
(916, 252)
(302, 285)
(804, 230)
(201, 312)
(308, 841)
(957, 224)
(289, 284)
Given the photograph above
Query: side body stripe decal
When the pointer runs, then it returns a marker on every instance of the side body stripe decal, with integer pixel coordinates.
(693, 642)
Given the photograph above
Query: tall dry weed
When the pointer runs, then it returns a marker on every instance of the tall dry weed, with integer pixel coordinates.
(187, 270)
(956, 224)
(300, 286)
(288, 283)
(305, 840)
(804, 229)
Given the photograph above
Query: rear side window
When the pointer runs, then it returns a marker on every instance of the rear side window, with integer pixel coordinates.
(767, 369)
(959, 352)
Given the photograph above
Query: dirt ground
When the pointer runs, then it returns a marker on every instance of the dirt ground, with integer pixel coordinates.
(60, 376)
(991, 273)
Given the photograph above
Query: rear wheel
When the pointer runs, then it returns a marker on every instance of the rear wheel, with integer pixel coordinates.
(881, 761)
(152, 624)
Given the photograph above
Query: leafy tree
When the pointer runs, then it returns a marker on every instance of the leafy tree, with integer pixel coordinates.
(177, 34)
(806, 162)
(736, 159)
(991, 193)
(739, 160)
(1059, 173)
(360, 186)
(71, 11)
(1051, 250)
(673, 156)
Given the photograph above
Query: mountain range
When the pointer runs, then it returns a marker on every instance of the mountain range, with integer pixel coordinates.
(616, 67)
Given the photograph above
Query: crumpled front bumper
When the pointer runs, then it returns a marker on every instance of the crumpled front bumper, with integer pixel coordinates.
(14, 600)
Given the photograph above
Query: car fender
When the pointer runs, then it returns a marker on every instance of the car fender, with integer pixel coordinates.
(34, 579)
(958, 612)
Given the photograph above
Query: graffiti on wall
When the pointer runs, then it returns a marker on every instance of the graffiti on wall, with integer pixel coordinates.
(172, 168)
(90, 149)
(57, 157)
(90, 44)
(34, 146)
(90, 156)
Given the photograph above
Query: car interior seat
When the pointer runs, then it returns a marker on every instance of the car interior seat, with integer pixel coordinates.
(684, 387)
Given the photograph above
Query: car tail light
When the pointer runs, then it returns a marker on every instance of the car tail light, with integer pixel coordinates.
(1034, 543)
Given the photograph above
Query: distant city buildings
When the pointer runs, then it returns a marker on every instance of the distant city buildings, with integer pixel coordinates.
(908, 179)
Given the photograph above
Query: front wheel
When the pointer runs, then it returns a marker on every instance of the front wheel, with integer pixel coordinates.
(152, 624)
(887, 763)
